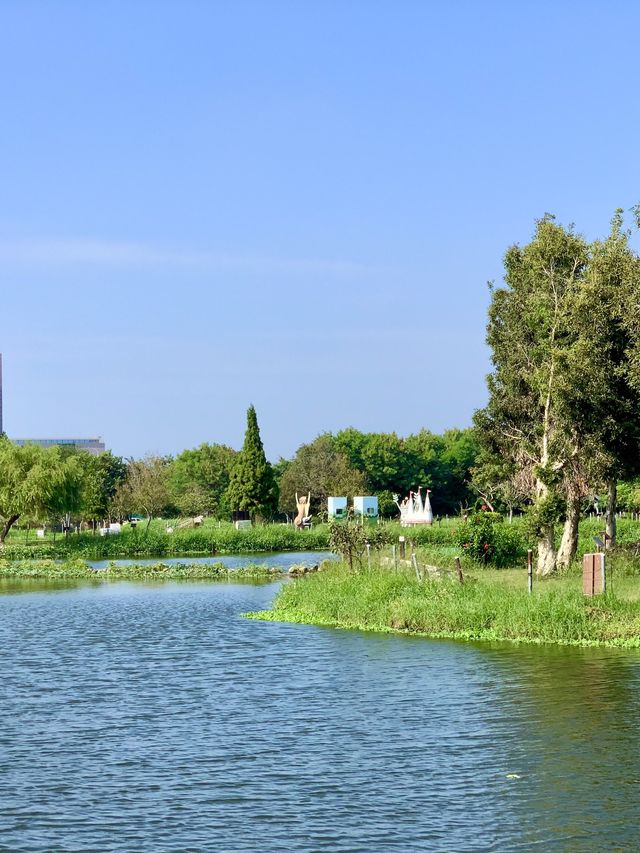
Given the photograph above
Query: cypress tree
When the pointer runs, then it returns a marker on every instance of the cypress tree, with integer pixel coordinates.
(252, 485)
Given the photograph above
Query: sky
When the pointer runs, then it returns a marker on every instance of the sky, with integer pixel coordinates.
(205, 205)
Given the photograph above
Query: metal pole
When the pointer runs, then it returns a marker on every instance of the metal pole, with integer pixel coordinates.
(395, 558)
(530, 571)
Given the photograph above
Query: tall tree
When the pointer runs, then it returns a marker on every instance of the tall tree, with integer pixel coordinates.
(146, 487)
(36, 482)
(321, 469)
(602, 403)
(101, 476)
(531, 333)
(200, 478)
(252, 484)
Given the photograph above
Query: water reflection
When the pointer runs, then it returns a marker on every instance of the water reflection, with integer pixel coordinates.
(571, 715)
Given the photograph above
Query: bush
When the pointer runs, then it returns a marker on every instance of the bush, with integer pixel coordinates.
(350, 539)
(486, 539)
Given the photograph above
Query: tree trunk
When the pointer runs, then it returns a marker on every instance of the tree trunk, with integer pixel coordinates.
(569, 541)
(7, 527)
(546, 539)
(612, 505)
(546, 551)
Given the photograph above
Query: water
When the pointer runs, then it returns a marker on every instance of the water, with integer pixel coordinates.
(154, 718)
(283, 560)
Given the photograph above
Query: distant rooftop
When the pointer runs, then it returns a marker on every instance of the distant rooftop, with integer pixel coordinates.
(91, 445)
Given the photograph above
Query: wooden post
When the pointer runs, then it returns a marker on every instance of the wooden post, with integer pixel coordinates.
(530, 571)
(414, 563)
(402, 542)
(395, 558)
(459, 570)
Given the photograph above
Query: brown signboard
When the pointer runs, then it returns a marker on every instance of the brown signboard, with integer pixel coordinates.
(593, 574)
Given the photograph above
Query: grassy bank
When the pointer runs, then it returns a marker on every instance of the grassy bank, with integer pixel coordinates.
(439, 542)
(490, 605)
(79, 570)
(212, 538)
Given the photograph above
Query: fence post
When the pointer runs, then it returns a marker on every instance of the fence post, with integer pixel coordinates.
(530, 571)
(395, 558)
(459, 570)
(402, 542)
(414, 563)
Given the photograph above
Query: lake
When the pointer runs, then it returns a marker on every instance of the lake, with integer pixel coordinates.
(279, 559)
(155, 718)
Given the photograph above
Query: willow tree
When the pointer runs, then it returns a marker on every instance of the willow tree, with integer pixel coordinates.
(252, 484)
(532, 332)
(36, 482)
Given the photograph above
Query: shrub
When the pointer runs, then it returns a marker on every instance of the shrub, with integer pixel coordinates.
(350, 538)
(486, 539)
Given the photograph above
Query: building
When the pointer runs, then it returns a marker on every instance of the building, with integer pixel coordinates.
(95, 446)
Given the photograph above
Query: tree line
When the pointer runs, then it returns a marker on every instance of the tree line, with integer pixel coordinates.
(60, 485)
(561, 424)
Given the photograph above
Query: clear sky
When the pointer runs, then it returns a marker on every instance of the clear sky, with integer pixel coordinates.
(294, 204)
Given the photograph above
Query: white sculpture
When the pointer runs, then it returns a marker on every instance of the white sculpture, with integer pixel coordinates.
(415, 509)
(303, 518)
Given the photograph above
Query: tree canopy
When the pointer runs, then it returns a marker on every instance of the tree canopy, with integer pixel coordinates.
(320, 468)
(562, 410)
(36, 482)
(200, 477)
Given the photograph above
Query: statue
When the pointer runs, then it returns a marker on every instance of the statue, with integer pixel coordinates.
(303, 505)
(415, 509)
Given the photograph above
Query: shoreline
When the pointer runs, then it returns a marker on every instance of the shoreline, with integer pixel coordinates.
(291, 618)
(488, 607)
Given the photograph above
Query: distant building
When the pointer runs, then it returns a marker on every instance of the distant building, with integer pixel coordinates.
(95, 446)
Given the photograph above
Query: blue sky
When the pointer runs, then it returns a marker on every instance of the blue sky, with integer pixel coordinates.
(294, 204)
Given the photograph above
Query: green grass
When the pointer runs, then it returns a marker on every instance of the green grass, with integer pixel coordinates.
(211, 538)
(79, 570)
(437, 545)
(491, 605)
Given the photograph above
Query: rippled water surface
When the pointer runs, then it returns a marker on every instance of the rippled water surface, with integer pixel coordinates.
(282, 559)
(154, 718)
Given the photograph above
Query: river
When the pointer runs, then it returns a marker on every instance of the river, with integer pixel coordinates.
(153, 717)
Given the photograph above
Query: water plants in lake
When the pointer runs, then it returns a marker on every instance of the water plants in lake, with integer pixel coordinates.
(79, 569)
